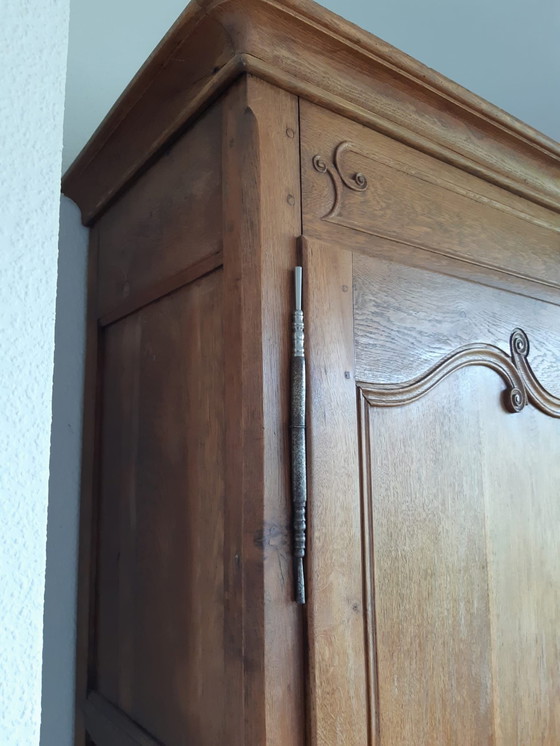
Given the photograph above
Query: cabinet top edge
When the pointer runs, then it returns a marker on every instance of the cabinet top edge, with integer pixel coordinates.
(308, 50)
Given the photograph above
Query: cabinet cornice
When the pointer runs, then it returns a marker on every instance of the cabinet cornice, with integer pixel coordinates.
(309, 51)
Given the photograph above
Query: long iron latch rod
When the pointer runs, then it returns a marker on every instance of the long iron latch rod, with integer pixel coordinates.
(297, 428)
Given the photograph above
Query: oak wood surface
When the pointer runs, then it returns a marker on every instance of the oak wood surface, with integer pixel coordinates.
(315, 54)
(427, 549)
(464, 558)
(242, 331)
(261, 221)
(340, 708)
(277, 114)
(158, 289)
(168, 538)
(520, 468)
(396, 252)
(160, 605)
(108, 726)
(166, 222)
(453, 561)
(386, 293)
(410, 198)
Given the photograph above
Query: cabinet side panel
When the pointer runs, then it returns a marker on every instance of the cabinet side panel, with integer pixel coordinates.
(160, 646)
(164, 223)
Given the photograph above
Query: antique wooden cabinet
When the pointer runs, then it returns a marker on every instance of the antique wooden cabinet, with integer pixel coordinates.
(261, 135)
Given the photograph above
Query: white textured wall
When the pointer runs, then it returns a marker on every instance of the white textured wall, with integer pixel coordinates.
(33, 44)
(59, 636)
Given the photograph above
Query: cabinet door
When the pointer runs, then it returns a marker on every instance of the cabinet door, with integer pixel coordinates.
(434, 511)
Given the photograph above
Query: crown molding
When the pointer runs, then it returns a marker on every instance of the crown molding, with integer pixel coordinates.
(317, 55)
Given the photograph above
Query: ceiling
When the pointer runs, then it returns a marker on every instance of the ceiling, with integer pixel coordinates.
(507, 51)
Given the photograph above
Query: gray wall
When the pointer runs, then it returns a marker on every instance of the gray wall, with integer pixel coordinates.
(64, 482)
(507, 51)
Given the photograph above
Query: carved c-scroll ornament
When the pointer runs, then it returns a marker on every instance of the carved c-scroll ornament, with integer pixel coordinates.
(522, 384)
(356, 181)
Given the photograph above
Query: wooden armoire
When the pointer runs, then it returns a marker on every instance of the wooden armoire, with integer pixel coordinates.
(262, 135)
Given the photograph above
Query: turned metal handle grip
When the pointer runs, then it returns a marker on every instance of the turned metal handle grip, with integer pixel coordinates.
(297, 427)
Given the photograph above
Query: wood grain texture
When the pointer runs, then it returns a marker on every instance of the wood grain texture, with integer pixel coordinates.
(339, 706)
(464, 558)
(520, 469)
(261, 222)
(515, 396)
(427, 550)
(451, 557)
(277, 114)
(195, 618)
(459, 503)
(522, 385)
(406, 196)
(154, 291)
(109, 727)
(300, 46)
(408, 319)
(396, 252)
(166, 222)
(241, 369)
(160, 638)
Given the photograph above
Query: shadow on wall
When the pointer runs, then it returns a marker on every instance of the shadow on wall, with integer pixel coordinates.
(57, 716)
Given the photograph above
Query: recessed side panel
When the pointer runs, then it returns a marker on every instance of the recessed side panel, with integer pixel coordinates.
(160, 585)
(164, 223)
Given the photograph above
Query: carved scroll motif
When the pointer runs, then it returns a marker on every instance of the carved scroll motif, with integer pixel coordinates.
(522, 384)
(356, 181)
(535, 392)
